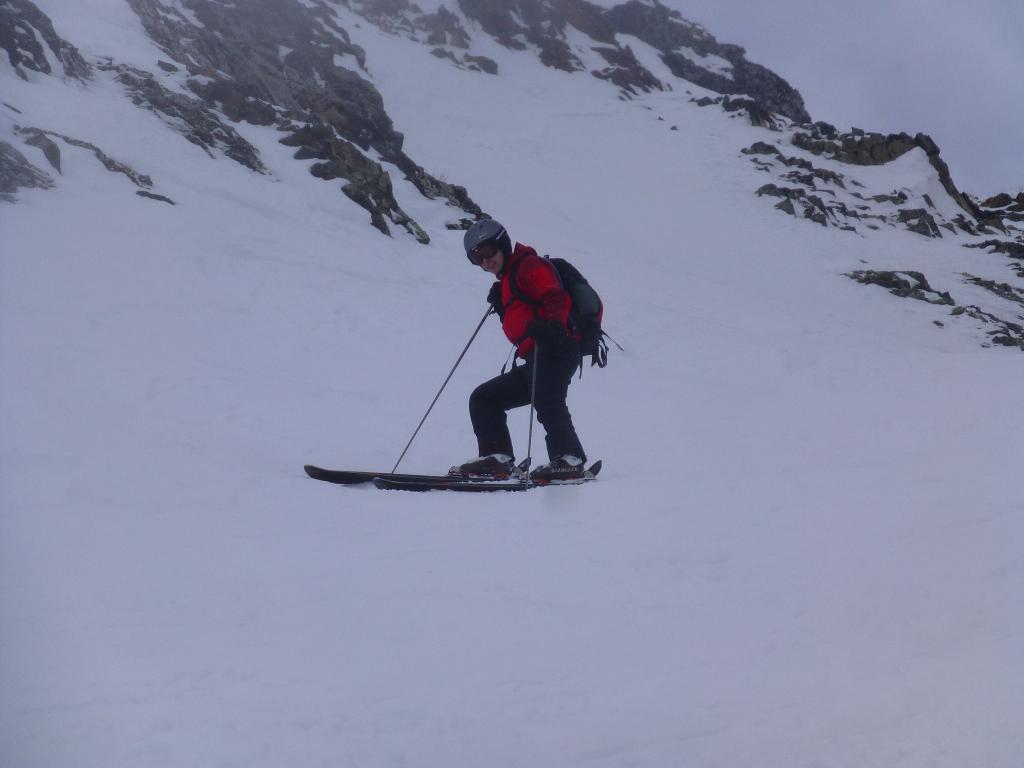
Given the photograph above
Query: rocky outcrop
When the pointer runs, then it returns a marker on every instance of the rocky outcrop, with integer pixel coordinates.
(367, 183)
(914, 285)
(40, 137)
(189, 116)
(25, 30)
(693, 54)
(16, 172)
(542, 25)
(845, 206)
(1015, 250)
(864, 148)
(290, 64)
(905, 283)
(1004, 291)
(1004, 207)
(625, 71)
(1001, 331)
(553, 28)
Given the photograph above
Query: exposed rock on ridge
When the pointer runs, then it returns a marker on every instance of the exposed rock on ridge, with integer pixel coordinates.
(678, 39)
(16, 172)
(278, 62)
(690, 52)
(24, 30)
(189, 116)
(818, 180)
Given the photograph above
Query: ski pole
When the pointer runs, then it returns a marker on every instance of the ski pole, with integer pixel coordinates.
(480, 325)
(533, 400)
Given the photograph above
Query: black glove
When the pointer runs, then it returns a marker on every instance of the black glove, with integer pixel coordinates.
(494, 299)
(547, 333)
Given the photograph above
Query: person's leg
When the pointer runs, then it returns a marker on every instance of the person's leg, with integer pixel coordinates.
(488, 405)
(555, 370)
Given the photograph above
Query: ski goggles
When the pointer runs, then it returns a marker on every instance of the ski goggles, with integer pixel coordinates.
(481, 252)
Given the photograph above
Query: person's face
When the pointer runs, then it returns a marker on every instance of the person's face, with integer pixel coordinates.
(493, 262)
(488, 257)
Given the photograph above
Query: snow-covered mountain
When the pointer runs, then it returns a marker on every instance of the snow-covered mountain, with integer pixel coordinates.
(232, 245)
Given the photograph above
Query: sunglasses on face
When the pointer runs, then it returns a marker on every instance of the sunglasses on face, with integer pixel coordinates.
(481, 252)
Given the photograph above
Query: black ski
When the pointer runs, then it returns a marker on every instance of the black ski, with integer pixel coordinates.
(354, 477)
(477, 486)
(351, 477)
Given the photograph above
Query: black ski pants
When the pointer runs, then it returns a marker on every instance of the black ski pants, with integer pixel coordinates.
(491, 400)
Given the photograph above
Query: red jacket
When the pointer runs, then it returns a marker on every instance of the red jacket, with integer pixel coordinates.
(538, 282)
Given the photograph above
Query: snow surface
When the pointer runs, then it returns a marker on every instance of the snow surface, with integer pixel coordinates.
(804, 550)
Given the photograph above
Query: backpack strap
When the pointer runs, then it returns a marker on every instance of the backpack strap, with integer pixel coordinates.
(513, 282)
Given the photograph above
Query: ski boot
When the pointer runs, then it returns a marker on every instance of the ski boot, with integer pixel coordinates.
(565, 467)
(496, 466)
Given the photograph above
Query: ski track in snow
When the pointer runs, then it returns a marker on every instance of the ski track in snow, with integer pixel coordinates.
(804, 549)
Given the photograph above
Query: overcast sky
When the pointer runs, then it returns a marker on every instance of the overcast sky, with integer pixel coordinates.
(954, 70)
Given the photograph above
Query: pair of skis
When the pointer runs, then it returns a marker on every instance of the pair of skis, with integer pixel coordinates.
(397, 481)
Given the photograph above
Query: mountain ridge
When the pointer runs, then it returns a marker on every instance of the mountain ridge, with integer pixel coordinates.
(293, 66)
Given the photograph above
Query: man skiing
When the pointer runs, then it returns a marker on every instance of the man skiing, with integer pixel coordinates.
(534, 309)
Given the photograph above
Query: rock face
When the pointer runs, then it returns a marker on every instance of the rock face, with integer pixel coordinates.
(862, 148)
(554, 30)
(25, 30)
(189, 116)
(833, 198)
(904, 284)
(817, 176)
(291, 64)
(285, 63)
(16, 172)
(693, 54)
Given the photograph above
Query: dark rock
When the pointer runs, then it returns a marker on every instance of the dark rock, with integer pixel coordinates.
(39, 140)
(862, 148)
(896, 198)
(999, 201)
(1011, 249)
(444, 28)
(444, 53)
(1006, 333)
(665, 29)
(1002, 290)
(24, 30)
(277, 62)
(368, 184)
(530, 22)
(152, 196)
(906, 283)
(758, 115)
(484, 64)
(1004, 207)
(625, 71)
(761, 148)
(17, 172)
(920, 221)
(775, 191)
(856, 147)
(187, 116)
(112, 165)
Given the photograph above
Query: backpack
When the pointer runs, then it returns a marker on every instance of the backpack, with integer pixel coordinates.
(585, 312)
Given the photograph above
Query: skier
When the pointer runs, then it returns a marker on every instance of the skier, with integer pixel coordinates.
(534, 309)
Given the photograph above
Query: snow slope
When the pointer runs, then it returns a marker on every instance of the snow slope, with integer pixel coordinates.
(804, 549)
